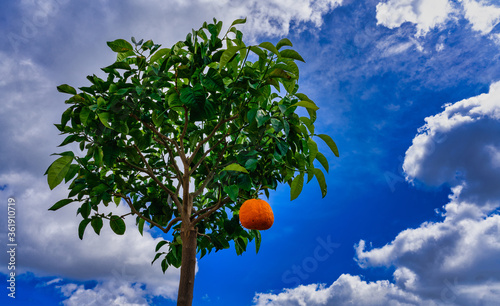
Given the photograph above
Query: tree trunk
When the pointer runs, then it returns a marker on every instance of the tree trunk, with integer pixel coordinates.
(188, 266)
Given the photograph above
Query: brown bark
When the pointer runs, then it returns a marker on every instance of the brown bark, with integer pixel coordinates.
(186, 284)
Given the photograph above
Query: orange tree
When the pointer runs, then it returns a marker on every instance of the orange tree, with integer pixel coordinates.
(183, 136)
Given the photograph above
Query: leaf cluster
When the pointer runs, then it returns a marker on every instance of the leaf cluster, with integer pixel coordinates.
(198, 113)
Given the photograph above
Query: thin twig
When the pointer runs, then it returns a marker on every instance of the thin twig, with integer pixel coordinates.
(198, 147)
(153, 176)
(136, 212)
(211, 210)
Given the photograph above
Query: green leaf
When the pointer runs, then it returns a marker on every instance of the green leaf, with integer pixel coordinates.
(104, 117)
(69, 139)
(157, 255)
(303, 97)
(261, 117)
(188, 96)
(98, 155)
(118, 65)
(308, 123)
(85, 209)
(96, 224)
(257, 240)
(329, 141)
(141, 226)
(164, 264)
(213, 80)
(284, 42)
(269, 46)
(321, 180)
(296, 186)
(313, 150)
(323, 161)
(84, 115)
(240, 244)
(159, 54)
(157, 118)
(232, 191)
(227, 56)
(251, 115)
(251, 164)
(117, 225)
(238, 21)
(120, 45)
(82, 226)
(289, 53)
(65, 88)
(289, 85)
(235, 167)
(279, 73)
(58, 170)
(258, 51)
(73, 170)
(121, 56)
(61, 203)
(306, 105)
(160, 244)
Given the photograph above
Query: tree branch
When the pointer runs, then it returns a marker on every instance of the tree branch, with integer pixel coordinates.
(212, 172)
(123, 160)
(202, 158)
(184, 130)
(153, 176)
(172, 222)
(210, 210)
(163, 138)
(136, 212)
(198, 147)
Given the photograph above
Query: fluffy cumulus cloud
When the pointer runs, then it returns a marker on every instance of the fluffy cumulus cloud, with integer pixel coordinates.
(460, 146)
(165, 21)
(269, 18)
(346, 290)
(426, 14)
(453, 261)
(429, 14)
(483, 17)
(50, 246)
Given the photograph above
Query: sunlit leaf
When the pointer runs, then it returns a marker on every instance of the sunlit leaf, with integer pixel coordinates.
(58, 170)
(235, 167)
(120, 45)
(296, 186)
(329, 141)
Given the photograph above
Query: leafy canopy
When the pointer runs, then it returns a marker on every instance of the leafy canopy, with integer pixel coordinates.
(198, 112)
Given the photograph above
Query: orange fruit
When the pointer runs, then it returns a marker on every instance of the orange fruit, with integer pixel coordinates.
(256, 214)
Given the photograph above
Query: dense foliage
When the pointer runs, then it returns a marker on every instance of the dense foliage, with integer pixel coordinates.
(185, 135)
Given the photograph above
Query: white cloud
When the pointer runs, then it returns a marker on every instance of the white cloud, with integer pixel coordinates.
(483, 17)
(50, 245)
(453, 261)
(460, 146)
(108, 293)
(346, 290)
(426, 14)
(430, 14)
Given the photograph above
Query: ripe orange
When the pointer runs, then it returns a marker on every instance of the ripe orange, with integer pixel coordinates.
(256, 214)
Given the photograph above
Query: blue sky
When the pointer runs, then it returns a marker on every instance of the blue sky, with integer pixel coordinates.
(408, 89)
